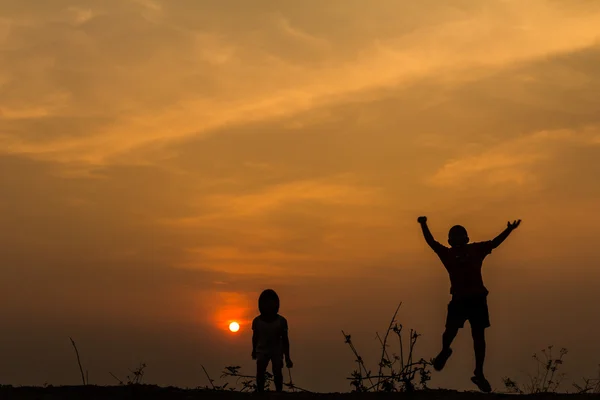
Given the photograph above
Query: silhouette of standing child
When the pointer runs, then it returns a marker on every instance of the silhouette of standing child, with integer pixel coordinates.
(463, 261)
(270, 340)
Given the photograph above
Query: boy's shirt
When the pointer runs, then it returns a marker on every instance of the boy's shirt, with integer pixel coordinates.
(464, 267)
(270, 334)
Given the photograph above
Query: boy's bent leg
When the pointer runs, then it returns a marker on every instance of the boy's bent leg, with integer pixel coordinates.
(440, 360)
(448, 336)
(454, 321)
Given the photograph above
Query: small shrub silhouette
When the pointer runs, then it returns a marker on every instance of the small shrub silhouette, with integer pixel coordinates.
(396, 372)
(136, 377)
(546, 380)
(590, 385)
(247, 382)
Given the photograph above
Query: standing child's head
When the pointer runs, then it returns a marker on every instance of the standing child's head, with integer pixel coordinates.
(268, 303)
(458, 236)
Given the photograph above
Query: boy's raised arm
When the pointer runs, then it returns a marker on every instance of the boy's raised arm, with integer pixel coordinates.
(497, 241)
(427, 234)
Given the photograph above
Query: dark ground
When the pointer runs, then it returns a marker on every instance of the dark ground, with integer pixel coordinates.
(149, 392)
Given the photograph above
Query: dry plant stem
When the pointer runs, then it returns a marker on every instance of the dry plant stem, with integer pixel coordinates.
(387, 357)
(409, 361)
(78, 360)
(118, 380)
(359, 360)
(399, 333)
(413, 341)
(555, 367)
(384, 344)
(545, 384)
(401, 351)
(208, 376)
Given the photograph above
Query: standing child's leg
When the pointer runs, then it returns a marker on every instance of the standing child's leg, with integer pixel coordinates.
(261, 368)
(277, 365)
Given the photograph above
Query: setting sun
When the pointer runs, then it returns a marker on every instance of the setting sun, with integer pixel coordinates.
(234, 327)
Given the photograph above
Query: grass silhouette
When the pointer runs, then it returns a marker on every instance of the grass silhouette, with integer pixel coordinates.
(397, 371)
(546, 380)
(136, 377)
(84, 378)
(590, 385)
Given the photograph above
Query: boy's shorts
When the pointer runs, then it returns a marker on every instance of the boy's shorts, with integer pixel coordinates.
(473, 309)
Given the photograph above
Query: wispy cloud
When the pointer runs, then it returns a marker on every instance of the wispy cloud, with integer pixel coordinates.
(163, 80)
(164, 161)
(510, 162)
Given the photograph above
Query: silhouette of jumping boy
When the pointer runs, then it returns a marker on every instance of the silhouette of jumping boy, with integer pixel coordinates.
(463, 261)
(270, 341)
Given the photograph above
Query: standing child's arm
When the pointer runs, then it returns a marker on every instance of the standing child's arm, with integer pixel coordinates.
(428, 236)
(502, 236)
(254, 340)
(286, 344)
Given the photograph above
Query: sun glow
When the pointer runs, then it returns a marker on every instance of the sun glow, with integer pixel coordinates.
(234, 327)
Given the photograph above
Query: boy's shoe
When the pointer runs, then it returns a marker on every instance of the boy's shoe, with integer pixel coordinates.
(482, 383)
(440, 360)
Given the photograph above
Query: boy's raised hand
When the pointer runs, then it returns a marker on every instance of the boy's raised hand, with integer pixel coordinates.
(514, 225)
(422, 220)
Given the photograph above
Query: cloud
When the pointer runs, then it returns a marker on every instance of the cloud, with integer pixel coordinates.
(302, 191)
(163, 79)
(81, 15)
(300, 35)
(510, 162)
(162, 162)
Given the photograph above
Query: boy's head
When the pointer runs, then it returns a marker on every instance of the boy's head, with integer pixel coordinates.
(268, 302)
(458, 236)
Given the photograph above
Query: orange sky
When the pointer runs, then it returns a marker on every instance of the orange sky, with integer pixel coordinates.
(162, 162)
